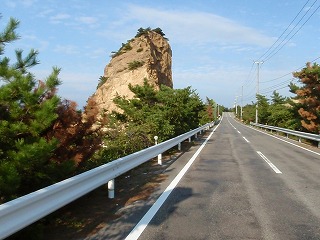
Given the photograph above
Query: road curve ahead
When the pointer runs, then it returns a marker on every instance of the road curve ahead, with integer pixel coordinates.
(244, 184)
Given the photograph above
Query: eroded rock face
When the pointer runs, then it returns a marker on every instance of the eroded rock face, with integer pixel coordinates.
(145, 57)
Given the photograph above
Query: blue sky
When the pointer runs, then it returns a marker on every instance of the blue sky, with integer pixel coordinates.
(214, 43)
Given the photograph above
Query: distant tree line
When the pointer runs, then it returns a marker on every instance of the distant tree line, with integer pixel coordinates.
(301, 112)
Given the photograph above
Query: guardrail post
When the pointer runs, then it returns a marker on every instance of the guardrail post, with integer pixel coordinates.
(189, 139)
(299, 139)
(179, 146)
(160, 155)
(111, 188)
(318, 144)
(196, 135)
(42, 202)
(160, 159)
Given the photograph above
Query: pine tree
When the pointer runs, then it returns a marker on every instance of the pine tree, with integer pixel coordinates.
(277, 99)
(263, 107)
(308, 96)
(78, 133)
(27, 111)
(249, 113)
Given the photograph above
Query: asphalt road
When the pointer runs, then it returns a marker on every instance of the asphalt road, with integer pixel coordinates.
(244, 184)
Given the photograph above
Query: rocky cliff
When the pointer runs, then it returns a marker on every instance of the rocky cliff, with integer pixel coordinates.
(145, 57)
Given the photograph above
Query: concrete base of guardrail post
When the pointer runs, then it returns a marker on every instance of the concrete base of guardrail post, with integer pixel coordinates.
(160, 159)
(111, 188)
(179, 146)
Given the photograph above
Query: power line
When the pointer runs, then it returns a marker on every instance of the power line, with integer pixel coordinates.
(284, 30)
(277, 46)
(279, 77)
(276, 51)
(251, 95)
(248, 77)
(295, 70)
(274, 87)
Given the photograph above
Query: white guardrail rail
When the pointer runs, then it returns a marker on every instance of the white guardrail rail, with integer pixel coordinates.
(23, 211)
(310, 136)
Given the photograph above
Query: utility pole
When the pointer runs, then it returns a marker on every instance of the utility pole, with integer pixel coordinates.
(235, 103)
(241, 103)
(258, 73)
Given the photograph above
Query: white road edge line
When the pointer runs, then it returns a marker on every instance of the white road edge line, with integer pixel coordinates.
(269, 162)
(246, 139)
(143, 223)
(306, 149)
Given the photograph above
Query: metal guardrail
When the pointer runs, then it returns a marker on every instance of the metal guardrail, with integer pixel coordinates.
(23, 211)
(310, 136)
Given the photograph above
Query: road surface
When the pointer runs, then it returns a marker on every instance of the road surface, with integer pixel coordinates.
(243, 184)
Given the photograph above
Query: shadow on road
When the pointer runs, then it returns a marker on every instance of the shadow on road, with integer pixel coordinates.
(121, 227)
(94, 216)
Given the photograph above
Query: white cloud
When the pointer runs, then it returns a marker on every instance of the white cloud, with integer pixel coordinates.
(36, 42)
(11, 4)
(236, 48)
(28, 3)
(87, 20)
(45, 12)
(198, 27)
(25, 3)
(59, 18)
(66, 49)
(96, 53)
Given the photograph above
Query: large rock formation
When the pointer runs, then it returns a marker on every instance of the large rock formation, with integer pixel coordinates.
(145, 57)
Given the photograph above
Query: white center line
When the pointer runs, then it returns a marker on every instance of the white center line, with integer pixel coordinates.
(239, 132)
(246, 139)
(269, 162)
